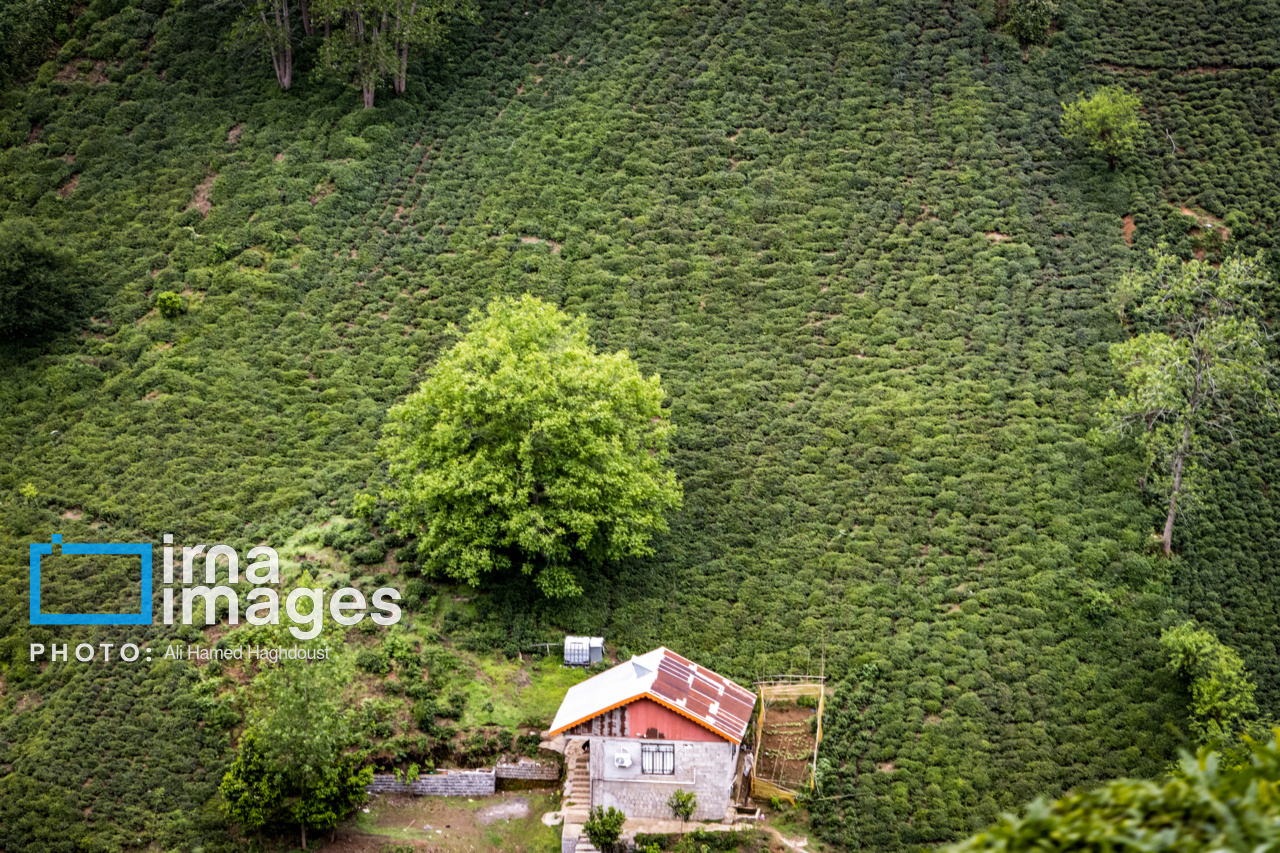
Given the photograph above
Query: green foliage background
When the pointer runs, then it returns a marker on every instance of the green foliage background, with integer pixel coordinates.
(848, 236)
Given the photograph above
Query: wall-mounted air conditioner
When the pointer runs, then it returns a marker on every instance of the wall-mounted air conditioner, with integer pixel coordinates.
(623, 758)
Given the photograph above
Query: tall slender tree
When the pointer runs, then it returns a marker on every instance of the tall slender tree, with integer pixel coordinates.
(266, 23)
(365, 40)
(1205, 358)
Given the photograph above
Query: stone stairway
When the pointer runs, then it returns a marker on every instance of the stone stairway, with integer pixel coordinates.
(577, 784)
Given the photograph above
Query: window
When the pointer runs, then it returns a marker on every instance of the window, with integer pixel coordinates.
(659, 758)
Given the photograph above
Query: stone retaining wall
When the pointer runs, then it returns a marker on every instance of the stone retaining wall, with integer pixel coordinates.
(449, 783)
(529, 770)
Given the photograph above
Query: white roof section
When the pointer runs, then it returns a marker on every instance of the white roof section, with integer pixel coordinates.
(677, 683)
(611, 688)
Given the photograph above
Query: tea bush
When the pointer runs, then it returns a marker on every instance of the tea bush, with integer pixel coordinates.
(850, 239)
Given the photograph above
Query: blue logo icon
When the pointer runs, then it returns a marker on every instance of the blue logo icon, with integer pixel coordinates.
(113, 548)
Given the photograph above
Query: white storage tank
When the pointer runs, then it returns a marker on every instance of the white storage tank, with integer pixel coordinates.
(583, 651)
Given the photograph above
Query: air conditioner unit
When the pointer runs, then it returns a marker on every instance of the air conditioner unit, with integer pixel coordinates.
(622, 759)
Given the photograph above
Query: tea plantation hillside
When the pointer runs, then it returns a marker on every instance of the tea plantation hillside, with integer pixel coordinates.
(848, 236)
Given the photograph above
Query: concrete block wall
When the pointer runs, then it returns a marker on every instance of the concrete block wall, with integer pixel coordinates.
(529, 770)
(450, 783)
(706, 769)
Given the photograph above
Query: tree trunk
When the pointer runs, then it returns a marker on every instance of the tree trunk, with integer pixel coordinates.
(307, 28)
(1179, 459)
(281, 54)
(304, 836)
(402, 77)
(368, 97)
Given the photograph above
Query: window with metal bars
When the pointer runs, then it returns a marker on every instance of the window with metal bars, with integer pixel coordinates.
(658, 758)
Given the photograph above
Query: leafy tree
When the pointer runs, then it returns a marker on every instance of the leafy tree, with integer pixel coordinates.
(1208, 804)
(375, 37)
(302, 733)
(253, 789)
(525, 446)
(1029, 20)
(1183, 381)
(27, 34)
(683, 804)
(266, 24)
(39, 282)
(1221, 690)
(1106, 122)
(604, 827)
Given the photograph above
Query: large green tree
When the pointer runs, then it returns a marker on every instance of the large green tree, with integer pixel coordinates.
(525, 447)
(1106, 122)
(253, 788)
(292, 765)
(364, 40)
(1204, 358)
(268, 24)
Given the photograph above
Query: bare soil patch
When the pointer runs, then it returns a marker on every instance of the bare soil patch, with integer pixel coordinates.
(233, 135)
(497, 823)
(69, 187)
(200, 196)
(516, 807)
(1127, 229)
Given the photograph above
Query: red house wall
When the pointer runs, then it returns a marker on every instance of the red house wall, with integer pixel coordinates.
(646, 718)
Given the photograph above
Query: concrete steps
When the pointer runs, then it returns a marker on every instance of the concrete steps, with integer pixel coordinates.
(577, 784)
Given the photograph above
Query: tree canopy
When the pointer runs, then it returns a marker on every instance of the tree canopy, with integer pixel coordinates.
(1106, 122)
(40, 285)
(1204, 357)
(1221, 690)
(525, 447)
(292, 767)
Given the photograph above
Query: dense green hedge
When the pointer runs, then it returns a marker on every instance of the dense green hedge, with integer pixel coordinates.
(849, 238)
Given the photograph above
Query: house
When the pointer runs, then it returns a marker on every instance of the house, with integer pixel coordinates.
(655, 724)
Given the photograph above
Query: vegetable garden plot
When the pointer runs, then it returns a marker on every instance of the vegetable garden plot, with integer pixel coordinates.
(788, 731)
(881, 409)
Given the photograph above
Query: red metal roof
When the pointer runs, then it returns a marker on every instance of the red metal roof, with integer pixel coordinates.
(693, 691)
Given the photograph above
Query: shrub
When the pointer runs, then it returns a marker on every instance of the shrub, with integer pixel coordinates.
(604, 828)
(38, 282)
(372, 661)
(1029, 20)
(170, 304)
(1206, 805)
(1221, 689)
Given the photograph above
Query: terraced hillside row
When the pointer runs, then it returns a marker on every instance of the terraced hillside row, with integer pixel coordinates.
(847, 235)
